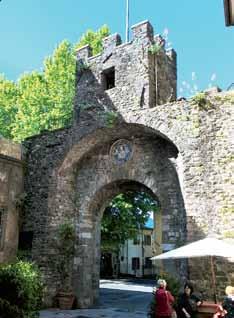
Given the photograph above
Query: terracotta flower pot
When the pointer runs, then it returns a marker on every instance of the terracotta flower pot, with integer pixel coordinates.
(65, 300)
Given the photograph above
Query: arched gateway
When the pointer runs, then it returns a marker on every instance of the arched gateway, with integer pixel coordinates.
(125, 135)
(99, 174)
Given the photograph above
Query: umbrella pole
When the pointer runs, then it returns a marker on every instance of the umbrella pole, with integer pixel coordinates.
(213, 278)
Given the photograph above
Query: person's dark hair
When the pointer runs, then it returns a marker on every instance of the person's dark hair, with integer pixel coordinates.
(189, 285)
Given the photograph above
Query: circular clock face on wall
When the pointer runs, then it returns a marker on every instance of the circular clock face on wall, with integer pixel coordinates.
(121, 151)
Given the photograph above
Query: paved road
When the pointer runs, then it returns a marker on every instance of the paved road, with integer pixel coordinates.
(131, 295)
(118, 299)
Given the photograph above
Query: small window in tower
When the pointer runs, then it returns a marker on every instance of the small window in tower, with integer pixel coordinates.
(108, 78)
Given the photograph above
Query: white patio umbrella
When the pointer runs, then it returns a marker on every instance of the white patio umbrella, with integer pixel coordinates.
(207, 247)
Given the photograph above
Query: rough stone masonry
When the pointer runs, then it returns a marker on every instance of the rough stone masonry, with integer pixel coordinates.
(11, 190)
(130, 133)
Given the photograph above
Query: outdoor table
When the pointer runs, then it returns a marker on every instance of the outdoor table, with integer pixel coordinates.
(207, 310)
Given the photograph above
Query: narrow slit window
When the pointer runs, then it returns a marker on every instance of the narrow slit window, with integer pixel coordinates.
(108, 78)
(25, 240)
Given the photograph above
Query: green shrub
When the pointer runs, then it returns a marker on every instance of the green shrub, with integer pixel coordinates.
(173, 284)
(202, 101)
(20, 290)
(64, 244)
(155, 49)
(111, 118)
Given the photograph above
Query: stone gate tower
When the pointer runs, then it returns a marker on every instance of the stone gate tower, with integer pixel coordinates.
(128, 133)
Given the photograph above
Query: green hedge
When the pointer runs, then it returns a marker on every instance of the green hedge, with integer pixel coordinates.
(173, 283)
(21, 290)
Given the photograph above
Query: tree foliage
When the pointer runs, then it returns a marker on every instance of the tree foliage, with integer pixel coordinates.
(59, 74)
(8, 106)
(31, 103)
(44, 100)
(126, 214)
(94, 39)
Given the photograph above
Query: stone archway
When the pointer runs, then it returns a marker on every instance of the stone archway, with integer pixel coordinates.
(89, 181)
(79, 182)
(96, 208)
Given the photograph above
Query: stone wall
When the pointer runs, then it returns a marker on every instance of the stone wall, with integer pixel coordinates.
(10, 149)
(203, 136)
(181, 152)
(11, 190)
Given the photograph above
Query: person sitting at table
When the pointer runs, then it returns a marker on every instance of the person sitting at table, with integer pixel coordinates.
(228, 303)
(188, 302)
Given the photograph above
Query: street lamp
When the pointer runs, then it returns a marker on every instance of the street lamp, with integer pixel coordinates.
(229, 12)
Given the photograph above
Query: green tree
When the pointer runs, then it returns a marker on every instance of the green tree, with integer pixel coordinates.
(124, 216)
(32, 106)
(94, 39)
(59, 75)
(44, 101)
(8, 106)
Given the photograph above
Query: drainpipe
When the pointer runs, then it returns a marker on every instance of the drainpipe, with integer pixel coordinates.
(142, 251)
(127, 257)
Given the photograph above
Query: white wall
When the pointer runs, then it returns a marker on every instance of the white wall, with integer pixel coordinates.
(130, 250)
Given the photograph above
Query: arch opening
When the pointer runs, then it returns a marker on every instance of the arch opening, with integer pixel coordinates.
(137, 265)
(128, 228)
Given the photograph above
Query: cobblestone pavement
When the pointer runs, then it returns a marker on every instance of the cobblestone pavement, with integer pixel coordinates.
(118, 299)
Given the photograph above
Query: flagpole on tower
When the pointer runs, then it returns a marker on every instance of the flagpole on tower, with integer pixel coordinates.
(127, 21)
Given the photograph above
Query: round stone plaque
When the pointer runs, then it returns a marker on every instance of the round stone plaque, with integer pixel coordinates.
(121, 151)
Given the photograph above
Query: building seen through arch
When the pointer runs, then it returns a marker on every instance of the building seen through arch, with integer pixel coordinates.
(128, 254)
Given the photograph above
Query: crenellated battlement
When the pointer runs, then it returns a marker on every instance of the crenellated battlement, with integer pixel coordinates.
(133, 75)
(111, 42)
(142, 32)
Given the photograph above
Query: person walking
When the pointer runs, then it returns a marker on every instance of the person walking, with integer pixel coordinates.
(163, 300)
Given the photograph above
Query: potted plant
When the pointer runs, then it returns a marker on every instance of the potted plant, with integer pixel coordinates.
(64, 245)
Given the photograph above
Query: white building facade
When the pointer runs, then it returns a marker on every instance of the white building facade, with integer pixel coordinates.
(135, 255)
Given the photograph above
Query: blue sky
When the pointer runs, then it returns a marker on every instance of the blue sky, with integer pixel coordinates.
(31, 29)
